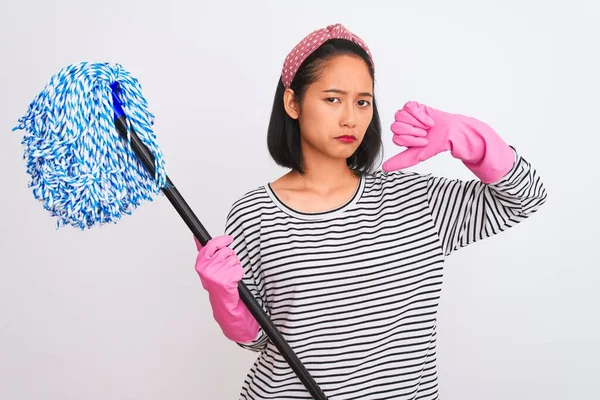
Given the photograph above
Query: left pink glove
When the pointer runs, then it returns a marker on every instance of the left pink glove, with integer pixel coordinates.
(220, 272)
(427, 132)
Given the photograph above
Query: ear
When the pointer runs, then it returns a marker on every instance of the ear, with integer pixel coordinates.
(290, 104)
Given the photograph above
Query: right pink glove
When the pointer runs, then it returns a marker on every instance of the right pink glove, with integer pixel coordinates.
(220, 272)
(427, 132)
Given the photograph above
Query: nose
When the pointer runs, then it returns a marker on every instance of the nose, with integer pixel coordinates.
(348, 117)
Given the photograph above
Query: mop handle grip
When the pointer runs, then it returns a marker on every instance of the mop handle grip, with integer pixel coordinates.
(192, 221)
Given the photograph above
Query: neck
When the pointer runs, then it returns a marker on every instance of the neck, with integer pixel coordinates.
(323, 174)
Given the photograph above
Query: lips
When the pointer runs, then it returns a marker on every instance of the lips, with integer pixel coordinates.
(346, 138)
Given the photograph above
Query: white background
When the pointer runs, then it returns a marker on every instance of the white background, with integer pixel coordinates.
(119, 313)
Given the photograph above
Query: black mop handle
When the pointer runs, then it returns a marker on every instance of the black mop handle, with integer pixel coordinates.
(203, 236)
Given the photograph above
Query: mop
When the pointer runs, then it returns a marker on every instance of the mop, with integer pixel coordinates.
(92, 158)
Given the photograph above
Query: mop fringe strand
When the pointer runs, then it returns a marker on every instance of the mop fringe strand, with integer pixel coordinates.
(81, 168)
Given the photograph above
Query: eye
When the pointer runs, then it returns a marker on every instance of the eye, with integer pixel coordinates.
(364, 103)
(332, 99)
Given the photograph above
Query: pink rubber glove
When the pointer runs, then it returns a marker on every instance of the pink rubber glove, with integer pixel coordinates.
(220, 271)
(427, 132)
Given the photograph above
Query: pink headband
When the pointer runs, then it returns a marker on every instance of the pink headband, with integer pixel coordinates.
(312, 42)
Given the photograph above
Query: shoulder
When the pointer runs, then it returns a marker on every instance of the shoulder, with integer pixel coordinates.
(382, 181)
(247, 206)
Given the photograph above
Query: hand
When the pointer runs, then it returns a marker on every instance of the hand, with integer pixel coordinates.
(218, 266)
(427, 132)
(220, 272)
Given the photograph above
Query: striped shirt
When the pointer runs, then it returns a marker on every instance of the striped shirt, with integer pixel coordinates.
(355, 290)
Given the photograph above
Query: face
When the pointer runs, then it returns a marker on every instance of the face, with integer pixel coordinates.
(336, 110)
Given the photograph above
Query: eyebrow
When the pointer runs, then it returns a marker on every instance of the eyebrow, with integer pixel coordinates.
(345, 93)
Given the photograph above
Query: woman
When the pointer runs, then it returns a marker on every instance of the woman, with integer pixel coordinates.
(348, 260)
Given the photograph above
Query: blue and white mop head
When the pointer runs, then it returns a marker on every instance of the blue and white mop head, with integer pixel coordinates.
(81, 168)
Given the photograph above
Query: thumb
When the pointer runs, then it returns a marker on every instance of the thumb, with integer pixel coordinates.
(406, 159)
(215, 244)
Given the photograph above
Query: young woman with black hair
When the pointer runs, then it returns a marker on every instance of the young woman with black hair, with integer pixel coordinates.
(346, 259)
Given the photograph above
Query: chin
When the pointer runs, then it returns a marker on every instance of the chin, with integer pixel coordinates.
(343, 155)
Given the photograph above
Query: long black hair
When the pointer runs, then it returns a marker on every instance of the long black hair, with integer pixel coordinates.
(283, 136)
